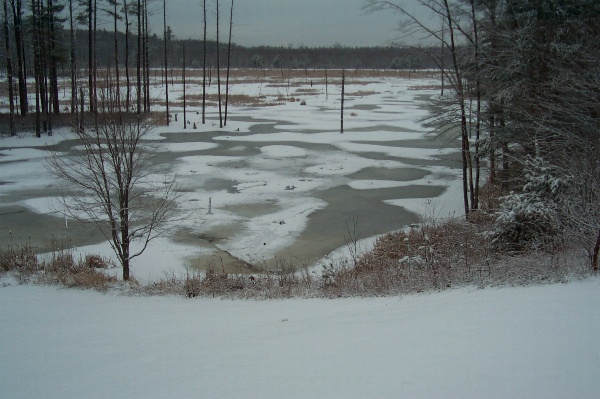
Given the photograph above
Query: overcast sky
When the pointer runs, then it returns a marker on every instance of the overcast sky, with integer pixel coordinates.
(284, 22)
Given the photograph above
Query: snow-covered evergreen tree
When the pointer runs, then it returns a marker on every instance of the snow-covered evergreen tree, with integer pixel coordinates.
(532, 218)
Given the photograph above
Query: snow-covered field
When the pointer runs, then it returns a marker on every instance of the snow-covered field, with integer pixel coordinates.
(533, 342)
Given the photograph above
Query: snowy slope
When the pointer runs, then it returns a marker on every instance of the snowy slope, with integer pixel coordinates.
(535, 342)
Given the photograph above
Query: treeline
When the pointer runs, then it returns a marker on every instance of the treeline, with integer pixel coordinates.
(524, 89)
(337, 57)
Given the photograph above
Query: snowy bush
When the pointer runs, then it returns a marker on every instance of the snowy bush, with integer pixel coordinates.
(532, 218)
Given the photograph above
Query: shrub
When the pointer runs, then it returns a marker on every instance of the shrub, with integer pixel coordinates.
(531, 219)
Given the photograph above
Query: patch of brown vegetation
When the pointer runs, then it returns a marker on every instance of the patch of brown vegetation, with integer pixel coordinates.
(59, 268)
(425, 87)
(361, 93)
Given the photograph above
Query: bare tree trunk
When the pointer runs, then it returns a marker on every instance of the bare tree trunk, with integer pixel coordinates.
(475, 196)
(139, 59)
(95, 58)
(326, 83)
(493, 166)
(595, 253)
(124, 230)
(72, 60)
(219, 70)
(128, 91)
(342, 106)
(91, 54)
(467, 182)
(204, 67)
(228, 62)
(17, 10)
(117, 77)
(9, 71)
(146, 58)
(36, 64)
(165, 38)
(443, 72)
(43, 66)
(184, 97)
(53, 60)
(82, 111)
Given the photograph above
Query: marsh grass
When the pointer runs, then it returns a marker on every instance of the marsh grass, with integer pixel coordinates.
(432, 256)
(58, 268)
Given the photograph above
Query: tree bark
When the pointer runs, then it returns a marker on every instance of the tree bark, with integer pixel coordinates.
(475, 197)
(95, 58)
(127, 79)
(117, 77)
(184, 97)
(36, 65)
(204, 67)
(73, 62)
(53, 60)
(166, 59)
(139, 59)
(595, 253)
(91, 54)
(9, 72)
(17, 10)
(146, 57)
(228, 63)
(219, 71)
(342, 106)
(467, 182)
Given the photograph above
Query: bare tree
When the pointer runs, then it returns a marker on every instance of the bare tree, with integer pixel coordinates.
(110, 182)
(72, 60)
(219, 70)
(146, 38)
(9, 71)
(342, 101)
(36, 64)
(228, 62)
(127, 78)
(184, 87)
(139, 59)
(17, 11)
(53, 10)
(115, 14)
(166, 39)
(204, 65)
(455, 111)
(90, 22)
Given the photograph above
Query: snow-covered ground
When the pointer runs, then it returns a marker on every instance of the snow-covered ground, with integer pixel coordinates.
(526, 342)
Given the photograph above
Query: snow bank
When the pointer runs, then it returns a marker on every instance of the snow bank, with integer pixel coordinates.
(535, 342)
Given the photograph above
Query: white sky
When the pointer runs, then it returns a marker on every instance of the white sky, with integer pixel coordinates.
(283, 22)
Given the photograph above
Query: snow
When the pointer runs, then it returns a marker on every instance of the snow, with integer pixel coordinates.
(534, 342)
(300, 152)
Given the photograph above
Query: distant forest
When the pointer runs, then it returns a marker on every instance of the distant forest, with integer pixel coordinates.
(336, 57)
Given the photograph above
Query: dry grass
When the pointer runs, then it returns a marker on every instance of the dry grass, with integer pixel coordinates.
(282, 283)
(437, 256)
(59, 268)
(361, 93)
(425, 87)
(430, 257)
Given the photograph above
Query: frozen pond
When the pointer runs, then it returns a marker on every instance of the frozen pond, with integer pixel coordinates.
(282, 181)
